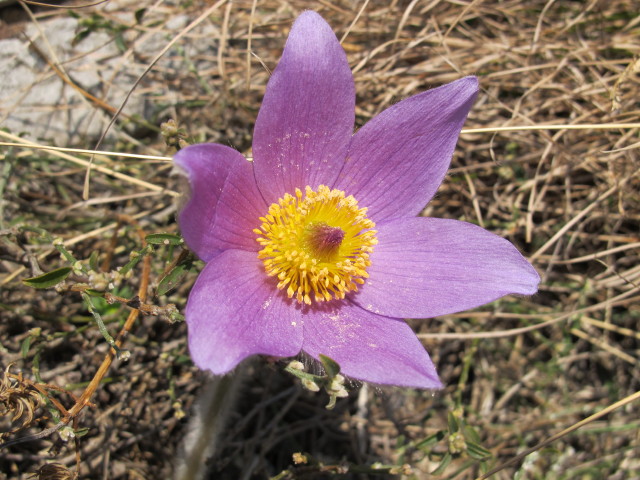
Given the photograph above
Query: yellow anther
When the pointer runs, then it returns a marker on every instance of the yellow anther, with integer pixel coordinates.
(317, 243)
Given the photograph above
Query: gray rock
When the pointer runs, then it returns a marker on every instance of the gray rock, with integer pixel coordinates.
(35, 101)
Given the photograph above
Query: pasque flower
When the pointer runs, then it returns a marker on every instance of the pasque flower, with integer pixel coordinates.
(315, 246)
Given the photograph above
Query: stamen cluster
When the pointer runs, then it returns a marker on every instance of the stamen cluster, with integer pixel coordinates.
(316, 245)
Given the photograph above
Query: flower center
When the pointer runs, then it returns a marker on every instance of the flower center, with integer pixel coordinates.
(317, 245)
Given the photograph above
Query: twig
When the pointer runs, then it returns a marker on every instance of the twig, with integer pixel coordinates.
(106, 363)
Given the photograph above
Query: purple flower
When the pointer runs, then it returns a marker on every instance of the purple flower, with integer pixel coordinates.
(316, 246)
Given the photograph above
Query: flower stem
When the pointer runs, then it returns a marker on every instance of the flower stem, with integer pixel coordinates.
(210, 414)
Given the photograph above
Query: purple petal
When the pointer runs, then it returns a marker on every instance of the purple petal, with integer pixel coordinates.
(398, 159)
(368, 347)
(424, 267)
(307, 115)
(235, 310)
(225, 204)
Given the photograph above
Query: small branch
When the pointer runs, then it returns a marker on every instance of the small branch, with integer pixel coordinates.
(133, 315)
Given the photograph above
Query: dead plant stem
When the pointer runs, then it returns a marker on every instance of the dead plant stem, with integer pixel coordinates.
(621, 403)
(106, 363)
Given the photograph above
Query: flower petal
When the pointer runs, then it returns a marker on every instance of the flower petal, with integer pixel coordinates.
(424, 267)
(225, 204)
(368, 347)
(307, 115)
(397, 161)
(234, 311)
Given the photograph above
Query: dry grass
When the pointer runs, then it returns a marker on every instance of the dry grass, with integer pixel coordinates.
(522, 369)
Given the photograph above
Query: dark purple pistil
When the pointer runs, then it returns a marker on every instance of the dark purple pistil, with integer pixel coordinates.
(324, 239)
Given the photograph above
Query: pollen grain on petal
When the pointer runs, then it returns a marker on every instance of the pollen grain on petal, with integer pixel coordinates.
(316, 244)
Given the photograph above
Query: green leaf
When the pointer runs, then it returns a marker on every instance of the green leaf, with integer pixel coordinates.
(135, 258)
(119, 40)
(164, 239)
(94, 293)
(139, 14)
(453, 423)
(176, 317)
(471, 434)
(81, 35)
(446, 460)
(173, 277)
(303, 375)
(477, 451)
(431, 440)
(93, 261)
(330, 366)
(49, 279)
(24, 347)
(96, 316)
(81, 432)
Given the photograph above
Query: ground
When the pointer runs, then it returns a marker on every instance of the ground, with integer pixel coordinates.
(516, 371)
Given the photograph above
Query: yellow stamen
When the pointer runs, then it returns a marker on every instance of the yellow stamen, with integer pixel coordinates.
(318, 245)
